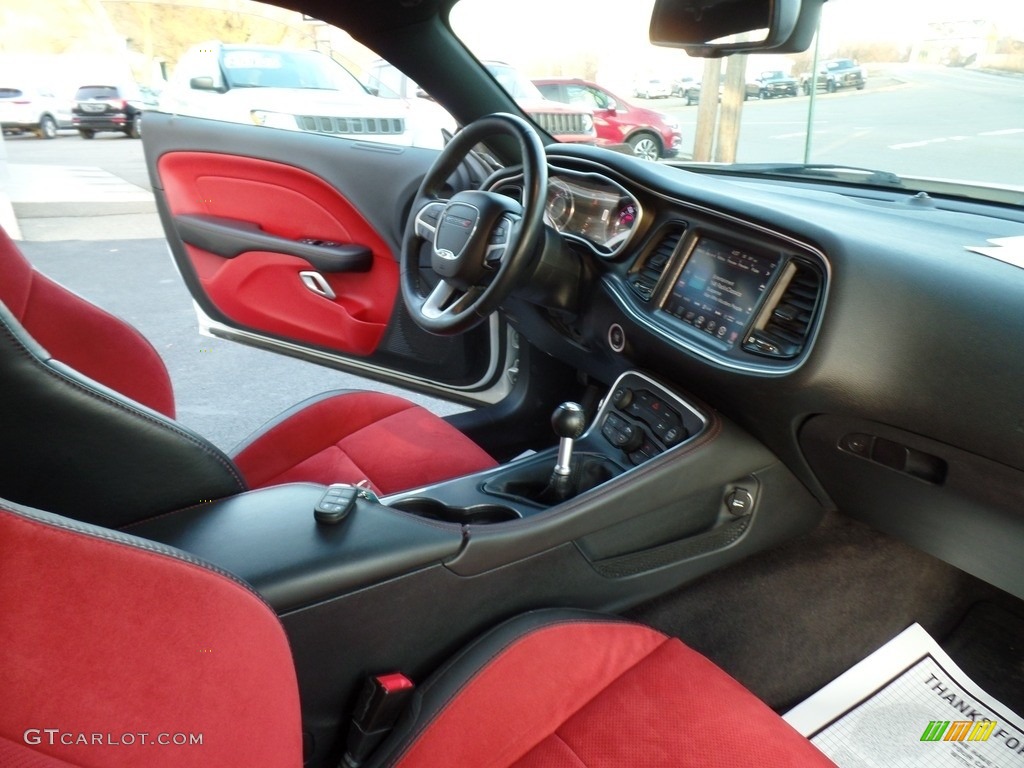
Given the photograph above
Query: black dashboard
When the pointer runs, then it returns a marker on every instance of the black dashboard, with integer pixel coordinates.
(821, 319)
(736, 294)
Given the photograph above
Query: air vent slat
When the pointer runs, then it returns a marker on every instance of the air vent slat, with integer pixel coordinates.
(645, 279)
(789, 326)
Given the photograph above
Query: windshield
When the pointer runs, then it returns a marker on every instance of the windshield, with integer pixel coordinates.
(517, 85)
(920, 89)
(258, 68)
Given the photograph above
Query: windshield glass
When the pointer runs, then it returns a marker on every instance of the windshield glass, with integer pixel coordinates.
(928, 89)
(258, 68)
(518, 86)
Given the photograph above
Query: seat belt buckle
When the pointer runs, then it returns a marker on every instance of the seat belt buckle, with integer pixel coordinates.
(382, 699)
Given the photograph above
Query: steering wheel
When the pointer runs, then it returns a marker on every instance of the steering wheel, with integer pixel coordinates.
(480, 242)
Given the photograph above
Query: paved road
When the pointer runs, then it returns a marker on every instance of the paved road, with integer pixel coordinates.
(912, 121)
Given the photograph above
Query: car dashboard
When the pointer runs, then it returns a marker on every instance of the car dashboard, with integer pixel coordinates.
(737, 294)
(854, 331)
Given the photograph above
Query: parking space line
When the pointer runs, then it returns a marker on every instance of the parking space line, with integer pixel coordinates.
(943, 139)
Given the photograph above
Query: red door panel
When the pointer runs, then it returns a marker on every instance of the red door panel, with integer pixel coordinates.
(263, 291)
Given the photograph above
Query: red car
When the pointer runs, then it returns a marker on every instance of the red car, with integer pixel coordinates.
(652, 135)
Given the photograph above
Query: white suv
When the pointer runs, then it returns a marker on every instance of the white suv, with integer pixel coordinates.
(33, 109)
(282, 88)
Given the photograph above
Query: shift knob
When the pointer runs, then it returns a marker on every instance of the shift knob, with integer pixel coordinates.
(569, 421)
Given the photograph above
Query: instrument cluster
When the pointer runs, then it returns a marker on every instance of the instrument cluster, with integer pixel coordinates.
(592, 209)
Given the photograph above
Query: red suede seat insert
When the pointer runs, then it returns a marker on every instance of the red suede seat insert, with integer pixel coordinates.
(606, 694)
(395, 444)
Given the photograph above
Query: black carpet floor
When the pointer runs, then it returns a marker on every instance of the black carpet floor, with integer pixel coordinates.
(786, 622)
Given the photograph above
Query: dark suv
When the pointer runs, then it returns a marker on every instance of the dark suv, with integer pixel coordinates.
(771, 83)
(106, 108)
(836, 74)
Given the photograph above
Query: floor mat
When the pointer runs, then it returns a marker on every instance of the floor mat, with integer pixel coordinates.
(788, 621)
(989, 646)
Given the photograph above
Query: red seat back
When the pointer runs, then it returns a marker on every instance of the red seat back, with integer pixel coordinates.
(81, 335)
(106, 637)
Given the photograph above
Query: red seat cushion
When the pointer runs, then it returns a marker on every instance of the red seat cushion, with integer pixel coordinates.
(350, 436)
(599, 693)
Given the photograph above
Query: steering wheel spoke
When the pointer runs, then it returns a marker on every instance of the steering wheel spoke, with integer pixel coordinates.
(427, 218)
(448, 301)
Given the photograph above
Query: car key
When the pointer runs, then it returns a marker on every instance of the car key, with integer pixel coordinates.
(337, 501)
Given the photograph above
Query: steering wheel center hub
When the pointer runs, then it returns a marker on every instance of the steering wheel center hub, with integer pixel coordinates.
(452, 256)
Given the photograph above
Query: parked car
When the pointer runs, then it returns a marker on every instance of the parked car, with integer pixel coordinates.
(297, 90)
(729, 427)
(682, 85)
(835, 74)
(651, 135)
(99, 108)
(772, 83)
(566, 123)
(32, 109)
(652, 88)
(692, 92)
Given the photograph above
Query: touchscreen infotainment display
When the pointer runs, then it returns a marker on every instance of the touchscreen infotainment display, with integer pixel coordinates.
(719, 287)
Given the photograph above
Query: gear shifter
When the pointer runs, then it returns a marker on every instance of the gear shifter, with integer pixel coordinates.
(569, 422)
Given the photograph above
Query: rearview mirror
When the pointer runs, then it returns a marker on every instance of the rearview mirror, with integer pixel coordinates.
(715, 28)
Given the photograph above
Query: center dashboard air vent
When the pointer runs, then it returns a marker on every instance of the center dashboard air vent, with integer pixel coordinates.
(645, 279)
(784, 326)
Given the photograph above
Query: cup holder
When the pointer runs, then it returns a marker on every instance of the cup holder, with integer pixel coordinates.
(436, 510)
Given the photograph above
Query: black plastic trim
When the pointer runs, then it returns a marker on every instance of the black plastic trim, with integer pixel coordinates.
(269, 538)
(231, 238)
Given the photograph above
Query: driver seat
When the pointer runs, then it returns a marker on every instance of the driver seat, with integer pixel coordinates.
(89, 403)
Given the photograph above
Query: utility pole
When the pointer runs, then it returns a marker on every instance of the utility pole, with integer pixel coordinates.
(813, 93)
(707, 111)
(733, 97)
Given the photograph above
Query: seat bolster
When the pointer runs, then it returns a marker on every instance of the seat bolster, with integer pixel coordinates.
(85, 451)
(81, 335)
(347, 436)
(577, 688)
(120, 644)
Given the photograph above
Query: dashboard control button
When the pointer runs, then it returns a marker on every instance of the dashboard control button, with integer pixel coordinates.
(622, 397)
(674, 435)
(647, 450)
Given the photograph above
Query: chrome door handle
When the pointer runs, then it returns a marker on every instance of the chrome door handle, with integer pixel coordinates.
(316, 282)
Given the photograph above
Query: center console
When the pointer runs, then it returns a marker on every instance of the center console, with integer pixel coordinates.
(654, 492)
(638, 420)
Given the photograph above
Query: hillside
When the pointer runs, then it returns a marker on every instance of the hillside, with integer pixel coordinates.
(141, 34)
